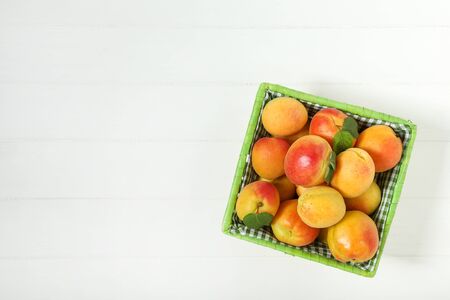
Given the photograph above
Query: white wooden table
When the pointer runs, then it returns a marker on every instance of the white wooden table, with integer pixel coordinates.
(121, 123)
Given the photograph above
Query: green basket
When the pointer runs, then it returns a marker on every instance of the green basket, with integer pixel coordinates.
(390, 182)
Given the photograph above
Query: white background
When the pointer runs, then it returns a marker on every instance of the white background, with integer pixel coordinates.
(121, 123)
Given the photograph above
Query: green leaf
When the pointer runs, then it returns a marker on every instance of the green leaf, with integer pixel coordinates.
(342, 141)
(264, 218)
(351, 126)
(333, 160)
(331, 167)
(251, 221)
(256, 221)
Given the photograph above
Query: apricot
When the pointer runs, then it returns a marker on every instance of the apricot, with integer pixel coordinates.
(323, 235)
(383, 146)
(354, 172)
(367, 202)
(307, 161)
(300, 189)
(292, 138)
(268, 157)
(326, 123)
(289, 228)
(285, 188)
(354, 238)
(321, 206)
(257, 197)
(284, 116)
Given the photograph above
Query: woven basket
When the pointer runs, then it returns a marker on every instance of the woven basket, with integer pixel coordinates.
(390, 182)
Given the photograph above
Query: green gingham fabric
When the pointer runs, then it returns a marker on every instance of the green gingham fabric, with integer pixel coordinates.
(385, 180)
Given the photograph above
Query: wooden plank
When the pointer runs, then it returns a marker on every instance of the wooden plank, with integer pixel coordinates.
(171, 170)
(146, 56)
(231, 14)
(142, 113)
(143, 228)
(192, 278)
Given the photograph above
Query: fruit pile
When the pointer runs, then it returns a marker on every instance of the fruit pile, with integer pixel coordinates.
(316, 179)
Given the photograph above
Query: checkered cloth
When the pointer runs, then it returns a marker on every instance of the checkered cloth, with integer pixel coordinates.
(385, 180)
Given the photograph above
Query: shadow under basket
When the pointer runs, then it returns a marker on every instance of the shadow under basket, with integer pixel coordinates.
(390, 182)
